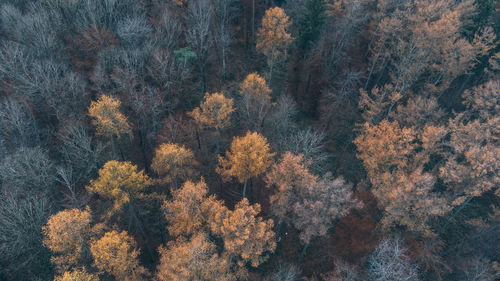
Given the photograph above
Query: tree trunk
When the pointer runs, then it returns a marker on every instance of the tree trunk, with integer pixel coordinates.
(112, 145)
(245, 188)
(253, 22)
(455, 215)
(303, 253)
(217, 142)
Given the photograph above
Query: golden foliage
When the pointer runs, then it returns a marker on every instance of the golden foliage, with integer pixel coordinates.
(245, 235)
(248, 157)
(189, 209)
(116, 254)
(77, 275)
(256, 99)
(173, 162)
(193, 260)
(214, 112)
(108, 118)
(120, 182)
(255, 88)
(66, 234)
(273, 38)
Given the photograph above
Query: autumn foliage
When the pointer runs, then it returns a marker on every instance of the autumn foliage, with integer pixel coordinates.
(288, 140)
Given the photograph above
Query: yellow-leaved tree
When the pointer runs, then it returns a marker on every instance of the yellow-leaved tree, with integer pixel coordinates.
(173, 162)
(77, 275)
(66, 235)
(214, 112)
(273, 37)
(256, 100)
(247, 237)
(116, 253)
(249, 156)
(196, 259)
(108, 118)
(119, 181)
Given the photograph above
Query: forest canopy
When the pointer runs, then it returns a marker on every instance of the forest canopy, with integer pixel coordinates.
(285, 140)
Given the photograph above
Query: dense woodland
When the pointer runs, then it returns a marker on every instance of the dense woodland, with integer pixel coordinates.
(268, 140)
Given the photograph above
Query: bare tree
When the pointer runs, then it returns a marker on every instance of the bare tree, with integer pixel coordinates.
(309, 143)
(22, 253)
(224, 13)
(27, 170)
(390, 262)
(479, 269)
(169, 32)
(82, 154)
(17, 124)
(198, 18)
(285, 272)
(134, 32)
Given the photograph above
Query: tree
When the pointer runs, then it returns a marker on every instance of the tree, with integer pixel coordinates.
(309, 202)
(198, 18)
(384, 147)
(28, 170)
(116, 254)
(108, 118)
(223, 15)
(249, 156)
(472, 166)
(395, 159)
(285, 272)
(195, 259)
(214, 112)
(273, 38)
(428, 53)
(77, 275)
(66, 235)
(408, 200)
(311, 22)
(17, 124)
(82, 154)
(256, 100)
(120, 182)
(173, 162)
(246, 237)
(390, 261)
(22, 253)
(190, 209)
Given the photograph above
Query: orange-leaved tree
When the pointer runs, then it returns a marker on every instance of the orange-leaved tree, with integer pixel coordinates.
(189, 209)
(116, 253)
(193, 259)
(247, 237)
(66, 235)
